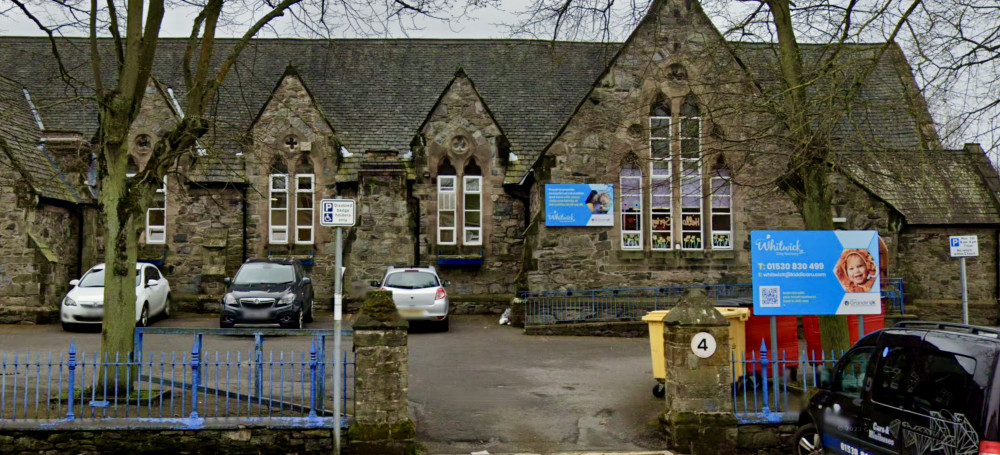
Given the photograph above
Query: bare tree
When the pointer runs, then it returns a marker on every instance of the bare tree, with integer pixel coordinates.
(134, 28)
(799, 106)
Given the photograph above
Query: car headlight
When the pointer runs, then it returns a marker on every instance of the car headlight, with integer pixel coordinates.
(229, 300)
(287, 299)
(68, 301)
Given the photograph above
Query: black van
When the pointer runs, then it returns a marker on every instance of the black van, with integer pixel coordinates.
(920, 388)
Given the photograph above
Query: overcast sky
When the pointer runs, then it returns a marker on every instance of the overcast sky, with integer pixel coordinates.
(459, 22)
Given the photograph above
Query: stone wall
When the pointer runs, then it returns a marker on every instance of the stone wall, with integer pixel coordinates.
(205, 243)
(292, 135)
(461, 130)
(932, 279)
(229, 439)
(38, 251)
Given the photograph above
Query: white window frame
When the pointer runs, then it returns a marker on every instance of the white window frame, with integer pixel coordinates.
(466, 192)
(153, 228)
(658, 179)
(275, 232)
(689, 210)
(447, 201)
(311, 210)
(639, 216)
(720, 209)
(157, 234)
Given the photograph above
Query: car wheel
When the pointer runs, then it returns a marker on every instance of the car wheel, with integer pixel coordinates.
(311, 314)
(807, 441)
(223, 324)
(295, 322)
(143, 316)
(166, 307)
(67, 327)
(443, 325)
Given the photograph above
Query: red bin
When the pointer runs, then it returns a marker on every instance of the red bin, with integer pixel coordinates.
(759, 328)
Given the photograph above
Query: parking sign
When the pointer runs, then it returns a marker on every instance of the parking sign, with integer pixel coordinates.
(336, 212)
(964, 246)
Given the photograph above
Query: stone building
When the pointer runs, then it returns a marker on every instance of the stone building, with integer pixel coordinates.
(447, 145)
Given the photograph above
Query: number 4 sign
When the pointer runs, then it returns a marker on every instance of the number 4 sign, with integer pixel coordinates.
(703, 345)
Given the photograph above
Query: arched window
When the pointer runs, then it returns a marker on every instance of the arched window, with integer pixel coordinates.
(692, 234)
(156, 213)
(678, 197)
(631, 210)
(278, 203)
(447, 189)
(722, 210)
(472, 204)
(305, 182)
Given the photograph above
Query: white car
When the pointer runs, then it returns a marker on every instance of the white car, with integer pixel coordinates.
(84, 304)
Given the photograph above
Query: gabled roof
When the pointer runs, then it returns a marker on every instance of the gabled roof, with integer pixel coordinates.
(930, 187)
(881, 116)
(19, 137)
(375, 92)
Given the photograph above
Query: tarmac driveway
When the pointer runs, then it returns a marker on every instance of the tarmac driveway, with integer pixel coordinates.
(483, 386)
(480, 386)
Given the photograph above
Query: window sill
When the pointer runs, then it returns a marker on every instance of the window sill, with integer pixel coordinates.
(460, 259)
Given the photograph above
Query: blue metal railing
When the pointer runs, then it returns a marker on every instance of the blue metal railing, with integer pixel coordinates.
(758, 397)
(892, 295)
(181, 389)
(620, 304)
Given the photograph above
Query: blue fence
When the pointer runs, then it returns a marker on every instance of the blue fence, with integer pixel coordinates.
(631, 304)
(624, 304)
(892, 295)
(760, 397)
(182, 389)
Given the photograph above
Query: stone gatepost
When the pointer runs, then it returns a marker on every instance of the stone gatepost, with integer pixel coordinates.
(698, 416)
(381, 425)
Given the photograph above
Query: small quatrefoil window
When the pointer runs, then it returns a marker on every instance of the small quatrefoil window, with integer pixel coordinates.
(459, 144)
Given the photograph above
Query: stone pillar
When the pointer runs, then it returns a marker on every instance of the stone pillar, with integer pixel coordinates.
(381, 425)
(698, 415)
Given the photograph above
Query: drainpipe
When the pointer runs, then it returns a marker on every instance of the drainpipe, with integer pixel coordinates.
(416, 222)
(243, 192)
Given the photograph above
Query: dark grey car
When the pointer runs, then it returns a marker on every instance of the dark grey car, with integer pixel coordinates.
(268, 291)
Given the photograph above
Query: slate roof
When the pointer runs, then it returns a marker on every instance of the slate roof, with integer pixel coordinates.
(20, 136)
(377, 94)
(930, 187)
(880, 116)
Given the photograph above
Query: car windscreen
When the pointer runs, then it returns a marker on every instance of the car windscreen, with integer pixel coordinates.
(93, 279)
(411, 280)
(265, 273)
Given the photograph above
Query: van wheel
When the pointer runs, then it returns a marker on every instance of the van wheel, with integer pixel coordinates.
(807, 441)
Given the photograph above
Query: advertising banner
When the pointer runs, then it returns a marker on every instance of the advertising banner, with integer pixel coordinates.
(579, 204)
(815, 272)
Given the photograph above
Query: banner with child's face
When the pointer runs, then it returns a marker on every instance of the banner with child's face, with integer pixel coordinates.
(815, 272)
(579, 204)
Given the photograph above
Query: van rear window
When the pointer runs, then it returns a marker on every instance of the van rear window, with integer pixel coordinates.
(925, 381)
(946, 381)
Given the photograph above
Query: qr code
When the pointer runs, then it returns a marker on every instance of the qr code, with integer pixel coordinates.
(770, 296)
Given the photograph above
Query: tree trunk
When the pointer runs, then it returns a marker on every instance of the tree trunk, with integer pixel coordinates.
(121, 241)
(808, 177)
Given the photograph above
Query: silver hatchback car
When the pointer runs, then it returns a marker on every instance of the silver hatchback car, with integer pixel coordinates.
(418, 293)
